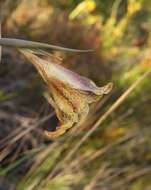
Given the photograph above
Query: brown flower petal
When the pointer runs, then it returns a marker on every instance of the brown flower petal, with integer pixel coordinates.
(70, 93)
(53, 70)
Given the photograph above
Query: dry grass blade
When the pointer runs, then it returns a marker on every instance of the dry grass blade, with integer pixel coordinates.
(102, 151)
(97, 124)
(132, 177)
(96, 177)
(8, 148)
(110, 110)
(39, 159)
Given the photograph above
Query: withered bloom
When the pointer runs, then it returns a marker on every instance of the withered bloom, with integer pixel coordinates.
(69, 93)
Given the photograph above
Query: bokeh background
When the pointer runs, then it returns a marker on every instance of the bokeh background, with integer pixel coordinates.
(117, 154)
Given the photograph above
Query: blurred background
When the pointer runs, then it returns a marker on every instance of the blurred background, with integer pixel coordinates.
(117, 154)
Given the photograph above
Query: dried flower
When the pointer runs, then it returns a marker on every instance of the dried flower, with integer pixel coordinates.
(69, 93)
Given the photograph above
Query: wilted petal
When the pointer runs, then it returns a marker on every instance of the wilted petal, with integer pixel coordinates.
(70, 93)
(53, 70)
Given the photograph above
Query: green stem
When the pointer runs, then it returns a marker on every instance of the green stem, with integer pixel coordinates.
(17, 43)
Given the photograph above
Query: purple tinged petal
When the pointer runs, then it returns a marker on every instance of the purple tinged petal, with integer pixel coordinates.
(56, 71)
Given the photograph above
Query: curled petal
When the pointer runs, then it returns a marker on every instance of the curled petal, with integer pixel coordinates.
(58, 72)
(70, 93)
(104, 90)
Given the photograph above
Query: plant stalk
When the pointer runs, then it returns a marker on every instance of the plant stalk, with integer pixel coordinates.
(17, 43)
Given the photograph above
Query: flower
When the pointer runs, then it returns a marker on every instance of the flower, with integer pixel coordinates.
(69, 93)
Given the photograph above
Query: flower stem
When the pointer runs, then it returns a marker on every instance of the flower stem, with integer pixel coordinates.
(17, 43)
